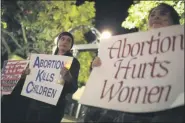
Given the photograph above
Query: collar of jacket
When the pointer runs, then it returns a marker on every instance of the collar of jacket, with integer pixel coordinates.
(68, 54)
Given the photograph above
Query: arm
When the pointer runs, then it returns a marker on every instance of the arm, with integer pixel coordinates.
(25, 72)
(71, 84)
(18, 88)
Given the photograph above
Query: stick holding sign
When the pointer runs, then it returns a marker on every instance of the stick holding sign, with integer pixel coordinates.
(144, 71)
(41, 83)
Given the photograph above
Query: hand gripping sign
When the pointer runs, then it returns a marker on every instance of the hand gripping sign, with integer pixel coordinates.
(42, 83)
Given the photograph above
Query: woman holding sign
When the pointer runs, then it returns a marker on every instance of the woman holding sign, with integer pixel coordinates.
(161, 16)
(42, 112)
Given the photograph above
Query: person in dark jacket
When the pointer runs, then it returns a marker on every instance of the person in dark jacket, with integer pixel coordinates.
(14, 106)
(43, 112)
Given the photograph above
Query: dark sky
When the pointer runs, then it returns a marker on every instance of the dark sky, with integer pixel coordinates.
(110, 14)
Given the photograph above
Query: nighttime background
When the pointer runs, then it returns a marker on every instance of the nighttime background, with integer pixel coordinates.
(110, 14)
(31, 26)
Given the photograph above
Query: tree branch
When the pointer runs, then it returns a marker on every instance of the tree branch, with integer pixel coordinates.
(8, 33)
(6, 45)
(23, 33)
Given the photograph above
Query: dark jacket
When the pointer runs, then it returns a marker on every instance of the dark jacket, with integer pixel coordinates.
(50, 113)
(14, 106)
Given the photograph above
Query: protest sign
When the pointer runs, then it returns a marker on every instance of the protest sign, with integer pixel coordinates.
(140, 72)
(11, 74)
(42, 83)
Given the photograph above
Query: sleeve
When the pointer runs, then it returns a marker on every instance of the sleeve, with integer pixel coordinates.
(18, 88)
(71, 87)
(23, 76)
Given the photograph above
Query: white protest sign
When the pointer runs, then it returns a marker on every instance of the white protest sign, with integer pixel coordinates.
(140, 72)
(41, 83)
(11, 74)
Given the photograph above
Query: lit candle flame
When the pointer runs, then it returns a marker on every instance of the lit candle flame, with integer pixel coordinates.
(67, 65)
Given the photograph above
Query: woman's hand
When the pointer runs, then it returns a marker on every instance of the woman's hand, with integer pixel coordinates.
(26, 71)
(96, 62)
(66, 75)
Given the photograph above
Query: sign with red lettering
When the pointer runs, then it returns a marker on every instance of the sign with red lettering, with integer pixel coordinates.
(11, 73)
(140, 72)
(42, 83)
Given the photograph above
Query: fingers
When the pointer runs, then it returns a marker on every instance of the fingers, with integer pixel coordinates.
(61, 82)
(66, 75)
(63, 71)
(27, 71)
(96, 62)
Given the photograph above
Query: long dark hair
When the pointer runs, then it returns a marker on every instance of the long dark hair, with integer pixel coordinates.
(173, 13)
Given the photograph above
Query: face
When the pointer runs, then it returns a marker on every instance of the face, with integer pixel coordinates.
(64, 44)
(160, 17)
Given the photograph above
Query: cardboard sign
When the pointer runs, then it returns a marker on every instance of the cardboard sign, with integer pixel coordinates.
(42, 83)
(140, 72)
(11, 74)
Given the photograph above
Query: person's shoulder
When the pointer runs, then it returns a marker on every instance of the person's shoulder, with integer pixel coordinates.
(75, 60)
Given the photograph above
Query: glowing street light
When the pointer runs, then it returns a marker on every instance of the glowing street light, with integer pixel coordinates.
(106, 34)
